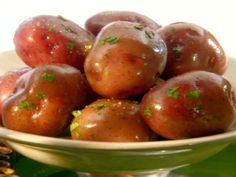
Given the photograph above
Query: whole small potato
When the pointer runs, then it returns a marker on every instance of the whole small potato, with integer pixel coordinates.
(44, 99)
(47, 39)
(193, 104)
(8, 83)
(96, 22)
(125, 61)
(110, 120)
(191, 47)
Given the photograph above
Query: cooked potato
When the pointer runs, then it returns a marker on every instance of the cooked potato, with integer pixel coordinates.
(46, 39)
(191, 47)
(96, 22)
(110, 120)
(126, 60)
(193, 104)
(44, 99)
(8, 83)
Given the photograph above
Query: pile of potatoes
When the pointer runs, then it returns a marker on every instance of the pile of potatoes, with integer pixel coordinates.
(122, 78)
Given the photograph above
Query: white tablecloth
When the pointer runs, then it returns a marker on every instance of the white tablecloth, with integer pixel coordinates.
(216, 16)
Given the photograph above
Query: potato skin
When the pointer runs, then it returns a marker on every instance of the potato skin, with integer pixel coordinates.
(191, 47)
(128, 64)
(95, 23)
(8, 83)
(190, 105)
(44, 99)
(47, 39)
(110, 120)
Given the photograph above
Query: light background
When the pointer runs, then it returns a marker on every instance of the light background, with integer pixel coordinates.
(217, 16)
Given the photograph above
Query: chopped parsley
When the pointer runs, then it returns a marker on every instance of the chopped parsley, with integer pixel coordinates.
(69, 29)
(110, 40)
(101, 106)
(147, 112)
(50, 29)
(74, 126)
(76, 113)
(70, 45)
(150, 34)
(178, 50)
(77, 135)
(94, 135)
(173, 30)
(40, 95)
(193, 94)
(139, 27)
(173, 92)
(193, 31)
(48, 77)
(198, 107)
(26, 105)
(61, 18)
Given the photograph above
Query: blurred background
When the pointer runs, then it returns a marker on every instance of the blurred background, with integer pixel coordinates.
(215, 16)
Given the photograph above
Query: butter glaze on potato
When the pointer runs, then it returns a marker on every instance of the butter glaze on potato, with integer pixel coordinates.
(44, 99)
(191, 47)
(95, 23)
(110, 120)
(193, 104)
(47, 39)
(125, 61)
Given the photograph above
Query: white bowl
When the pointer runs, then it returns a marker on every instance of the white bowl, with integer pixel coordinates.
(114, 158)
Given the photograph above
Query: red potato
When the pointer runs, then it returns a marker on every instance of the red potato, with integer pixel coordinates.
(8, 83)
(110, 120)
(125, 61)
(190, 105)
(44, 99)
(48, 39)
(191, 47)
(96, 22)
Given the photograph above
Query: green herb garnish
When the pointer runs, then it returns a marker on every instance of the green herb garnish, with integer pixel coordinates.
(69, 29)
(26, 105)
(198, 107)
(173, 92)
(101, 106)
(50, 29)
(70, 45)
(77, 135)
(61, 18)
(150, 34)
(110, 40)
(74, 126)
(40, 95)
(94, 135)
(173, 30)
(193, 94)
(147, 112)
(48, 77)
(139, 27)
(76, 113)
(178, 50)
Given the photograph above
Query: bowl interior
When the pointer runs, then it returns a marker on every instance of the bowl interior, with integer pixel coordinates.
(115, 158)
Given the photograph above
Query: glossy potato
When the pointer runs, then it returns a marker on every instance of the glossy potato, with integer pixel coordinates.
(46, 39)
(125, 61)
(8, 83)
(110, 120)
(193, 104)
(96, 22)
(191, 47)
(44, 99)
